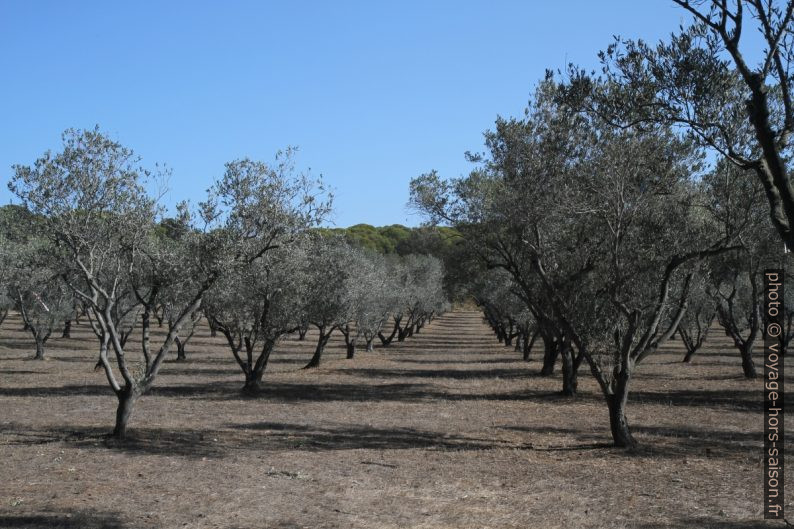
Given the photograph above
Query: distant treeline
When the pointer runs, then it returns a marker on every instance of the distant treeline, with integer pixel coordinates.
(442, 242)
(399, 239)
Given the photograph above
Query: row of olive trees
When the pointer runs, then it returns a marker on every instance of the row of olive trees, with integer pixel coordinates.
(95, 236)
(323, 282)
(602, 233)
(89, 240)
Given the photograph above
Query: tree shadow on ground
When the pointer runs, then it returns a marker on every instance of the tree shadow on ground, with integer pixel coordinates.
(260, 436)
(458, 374)
(664, 441)
(439, 346)
(695, 376)
(454, 360)
(188, 368)
(749, 400)
(306, 391)
(82, 519)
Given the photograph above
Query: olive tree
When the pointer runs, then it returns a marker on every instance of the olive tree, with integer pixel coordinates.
(256, 306)
(328, 296)
(265, 212)
(369, 284)
(498, 296)
(736, 202)
(703, 80)
(43, 300)
(425, 296)
(694, 327)
(399, 290)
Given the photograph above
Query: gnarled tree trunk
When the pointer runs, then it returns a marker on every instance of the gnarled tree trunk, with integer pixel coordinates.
(550, 352)
(40, 340)
(569, 381)
(180, 350)
(748, 366)
(127, 398)
(618, 423)
(318, 351)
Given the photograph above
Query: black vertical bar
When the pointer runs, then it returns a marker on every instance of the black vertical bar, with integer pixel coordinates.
(774, 479)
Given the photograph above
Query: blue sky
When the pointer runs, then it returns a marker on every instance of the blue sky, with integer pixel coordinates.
(372, 93)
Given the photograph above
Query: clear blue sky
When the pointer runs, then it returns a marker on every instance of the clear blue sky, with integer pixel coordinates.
(372, 93)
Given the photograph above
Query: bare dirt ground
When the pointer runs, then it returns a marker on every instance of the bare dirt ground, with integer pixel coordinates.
(446, 430)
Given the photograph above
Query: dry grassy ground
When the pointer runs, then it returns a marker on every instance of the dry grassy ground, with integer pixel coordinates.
(446, 430)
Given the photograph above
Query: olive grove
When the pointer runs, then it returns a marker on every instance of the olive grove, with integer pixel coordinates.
(90, 239)
(93, 202)
(602, 230)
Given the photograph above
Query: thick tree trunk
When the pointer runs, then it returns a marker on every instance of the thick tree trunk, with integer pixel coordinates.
(318, 351)
(550, 353)
(772, 172)
(252, 384)
(691, 343)
(180, 350)
(569, 382)
(350, 341)
(370, 345)
(621, 434)
(39, 349)
(67, 329)
(127, 398)
(748, 366)
(688, 356)
(254, 371)
(384, 340)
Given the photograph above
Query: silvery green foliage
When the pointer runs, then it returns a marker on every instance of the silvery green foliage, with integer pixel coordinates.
(703, 80)
(372, 291)
(42, 298)
(253, 307)
(424, 285)
(498, 296)
(599, 228)
(6, 262)
(419, 293)
(92, 197)
(693, 329)
(328, 294)
(256, 206)
(737, 277)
